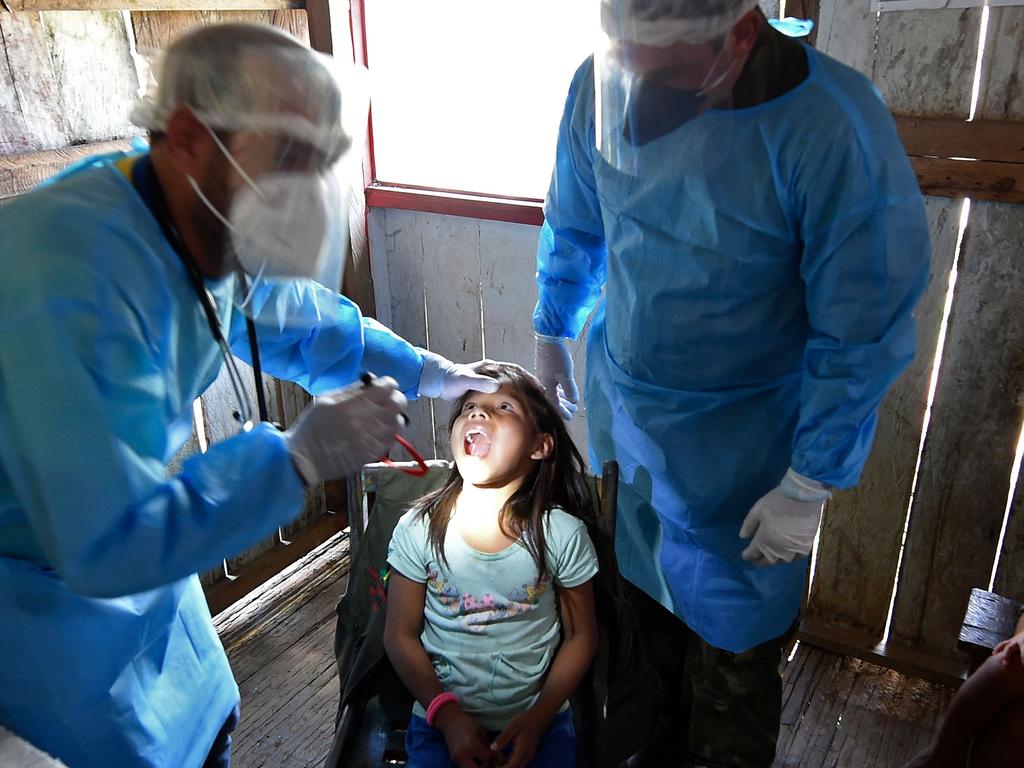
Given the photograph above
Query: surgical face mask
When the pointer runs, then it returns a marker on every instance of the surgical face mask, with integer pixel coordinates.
(279, 229)
(655, 109)
(279, 226)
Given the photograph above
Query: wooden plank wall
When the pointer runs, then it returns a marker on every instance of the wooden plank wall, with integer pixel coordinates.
(65, 78)
(770, 8)
(1004, 97)
(862, 530)
(69, 77)
(1010, 576)
(924, 62)
(154, 30)
(463, 288)
(20, 173)
(968, 454)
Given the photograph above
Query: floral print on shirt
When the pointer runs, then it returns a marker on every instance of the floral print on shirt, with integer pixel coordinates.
(476, 613)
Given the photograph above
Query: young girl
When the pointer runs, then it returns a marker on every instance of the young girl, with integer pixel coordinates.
(490, 619)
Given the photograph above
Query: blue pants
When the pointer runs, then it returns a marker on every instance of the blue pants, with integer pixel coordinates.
(426, 747)
(220, 752)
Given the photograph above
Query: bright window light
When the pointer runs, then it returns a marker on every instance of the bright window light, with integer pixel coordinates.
(467, 94)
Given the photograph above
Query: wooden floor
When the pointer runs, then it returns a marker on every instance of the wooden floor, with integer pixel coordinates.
(280, 641)
(837, 712)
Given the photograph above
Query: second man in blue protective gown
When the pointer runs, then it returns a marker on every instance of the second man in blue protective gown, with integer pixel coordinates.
(737, 215)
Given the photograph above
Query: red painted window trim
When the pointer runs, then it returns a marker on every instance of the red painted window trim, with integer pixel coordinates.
(474, 206)
(429, 200)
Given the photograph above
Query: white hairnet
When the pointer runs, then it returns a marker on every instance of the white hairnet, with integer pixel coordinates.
(664, 22)
(255, 78)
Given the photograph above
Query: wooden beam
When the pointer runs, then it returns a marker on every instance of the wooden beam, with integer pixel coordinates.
(157, 30)
(952, 157)
(516, 211)
(20, 173)
(986, 179)
(977, 179)
(860, 645)
(990, 619)
(947, 137)
(34, 6)
(223, 593)
(321, 31)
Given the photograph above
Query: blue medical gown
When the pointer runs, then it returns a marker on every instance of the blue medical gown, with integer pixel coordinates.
(760, 273)
(108, 656)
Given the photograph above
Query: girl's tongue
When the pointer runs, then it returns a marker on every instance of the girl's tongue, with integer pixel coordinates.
(477, 444)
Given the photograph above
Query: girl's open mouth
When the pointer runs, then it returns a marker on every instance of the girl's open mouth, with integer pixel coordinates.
(476, 442)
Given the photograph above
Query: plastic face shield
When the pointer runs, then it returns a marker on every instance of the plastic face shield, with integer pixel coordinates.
(281, 215)
(287, 120)
(287, 223)
(653, 75)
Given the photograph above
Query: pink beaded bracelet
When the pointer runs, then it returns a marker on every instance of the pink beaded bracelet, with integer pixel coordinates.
(439, 701)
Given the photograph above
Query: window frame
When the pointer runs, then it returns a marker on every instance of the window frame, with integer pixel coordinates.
(410, 197)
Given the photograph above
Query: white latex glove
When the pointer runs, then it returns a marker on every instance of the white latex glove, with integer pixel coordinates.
(450, 381)
(343, 430)
(554, 368)
(785, 521)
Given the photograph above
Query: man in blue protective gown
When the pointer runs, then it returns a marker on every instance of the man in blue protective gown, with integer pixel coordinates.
(125, 283)
(745, 206)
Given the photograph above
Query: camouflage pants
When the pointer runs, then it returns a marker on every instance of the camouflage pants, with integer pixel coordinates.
(720, 709)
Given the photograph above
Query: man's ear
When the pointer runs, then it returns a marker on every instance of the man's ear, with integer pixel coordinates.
(187, 141)
(544, 446)
(744, 33)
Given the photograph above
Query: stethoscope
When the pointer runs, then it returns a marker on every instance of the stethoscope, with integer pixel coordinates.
(143, 180)
(244, 414)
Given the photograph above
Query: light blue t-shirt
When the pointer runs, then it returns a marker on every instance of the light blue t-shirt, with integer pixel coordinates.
(490, 630)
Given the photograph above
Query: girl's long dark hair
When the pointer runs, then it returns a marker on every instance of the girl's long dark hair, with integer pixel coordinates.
(557, 481)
